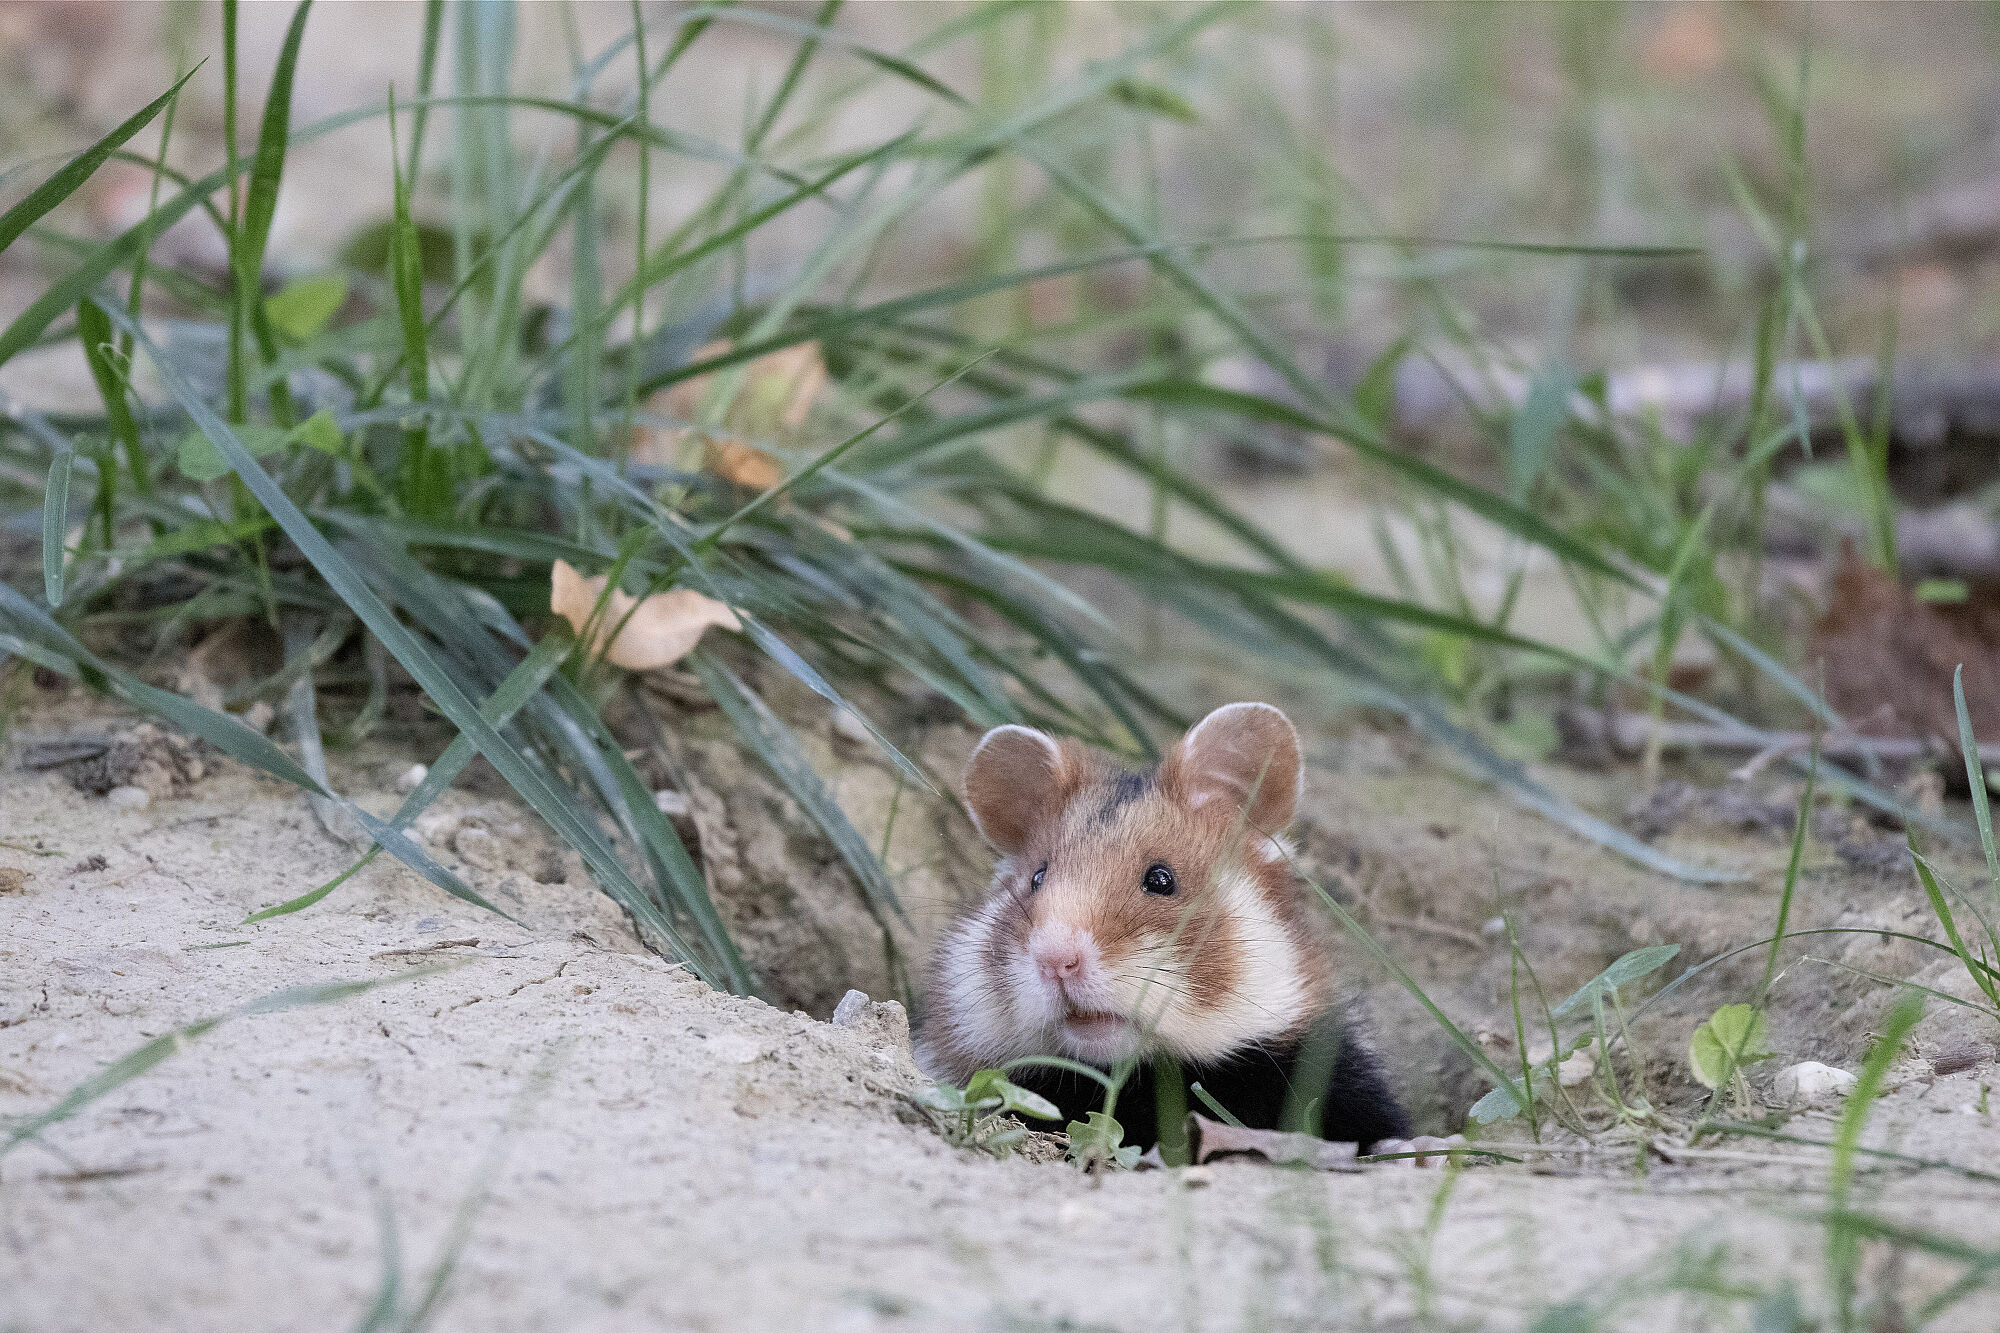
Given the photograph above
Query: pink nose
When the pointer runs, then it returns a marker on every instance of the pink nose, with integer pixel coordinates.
(1058, 960)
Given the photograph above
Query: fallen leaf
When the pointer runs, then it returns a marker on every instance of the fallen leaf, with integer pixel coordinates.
(1688, 43)
(642, 634)
(742, 464)
(1211, 1139)
(1890, 658)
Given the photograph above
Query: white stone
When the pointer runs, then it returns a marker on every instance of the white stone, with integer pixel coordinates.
(853, 1007)
(435, 826)
(671, 803)
(1577, 1069)
(412, 778)
(1810, 1081)
(848, 723)
(128, 798)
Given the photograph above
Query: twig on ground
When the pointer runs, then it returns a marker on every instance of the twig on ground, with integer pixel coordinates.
(437, 947)
(1628, 734)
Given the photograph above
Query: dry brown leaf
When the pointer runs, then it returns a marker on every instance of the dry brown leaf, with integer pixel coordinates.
(1213, 1139)
(1889, 658)
(742, 464)
(651, 632)
(1688, 43)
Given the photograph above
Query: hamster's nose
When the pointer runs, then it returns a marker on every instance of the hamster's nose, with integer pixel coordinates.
(1058, 958)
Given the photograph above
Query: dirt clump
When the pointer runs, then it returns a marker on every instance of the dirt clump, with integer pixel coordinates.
(1890, 659)
(144, 757)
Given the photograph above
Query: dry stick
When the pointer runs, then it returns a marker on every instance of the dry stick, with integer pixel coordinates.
(1629, 733)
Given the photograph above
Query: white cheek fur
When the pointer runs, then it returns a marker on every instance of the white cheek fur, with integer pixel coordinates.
(986, 1019)
(1271, 995)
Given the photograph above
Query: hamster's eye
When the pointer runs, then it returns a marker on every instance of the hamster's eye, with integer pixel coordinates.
(1035, 880)
(1158, 879)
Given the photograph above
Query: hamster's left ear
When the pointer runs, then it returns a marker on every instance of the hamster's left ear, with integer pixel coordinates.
(1244, 755)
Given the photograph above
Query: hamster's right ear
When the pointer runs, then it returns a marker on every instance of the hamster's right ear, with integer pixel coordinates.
(1016, 783)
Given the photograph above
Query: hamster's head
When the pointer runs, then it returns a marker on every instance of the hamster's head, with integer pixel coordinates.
(1132, 913)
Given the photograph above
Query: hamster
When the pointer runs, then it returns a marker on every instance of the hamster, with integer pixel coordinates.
(1136, 915)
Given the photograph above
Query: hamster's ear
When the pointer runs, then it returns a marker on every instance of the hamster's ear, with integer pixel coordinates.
(1245, 756)
(1016, 783)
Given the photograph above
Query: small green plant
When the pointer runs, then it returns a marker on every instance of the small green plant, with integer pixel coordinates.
(1732, 1038)
(978, 1114)
(1097, 1142)
(1587, 1000)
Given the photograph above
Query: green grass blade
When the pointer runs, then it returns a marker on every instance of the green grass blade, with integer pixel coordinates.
(1975, 777)
(79, 169)
(55, 520)
(260, 201)
(633, 806)
(426, 80)
(420, 486)
(1941, 908)
(93, 330)
(1792, 863)
(1841, 1245)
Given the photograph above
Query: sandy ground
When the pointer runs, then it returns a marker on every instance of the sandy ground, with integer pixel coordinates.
(650, 1154)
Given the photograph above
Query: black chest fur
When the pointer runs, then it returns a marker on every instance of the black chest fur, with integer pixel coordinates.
(1279, 1086)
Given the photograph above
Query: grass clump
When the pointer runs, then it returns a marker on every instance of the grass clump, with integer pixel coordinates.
(382, 466)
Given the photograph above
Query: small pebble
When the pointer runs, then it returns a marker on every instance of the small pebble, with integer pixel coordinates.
(1577, 1069)
(412, 778)
(434, 826)
(128, 798)
(259, 716)
(1197, 1177)
(671, 803)
(1810, 1081)
(853, 1007)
